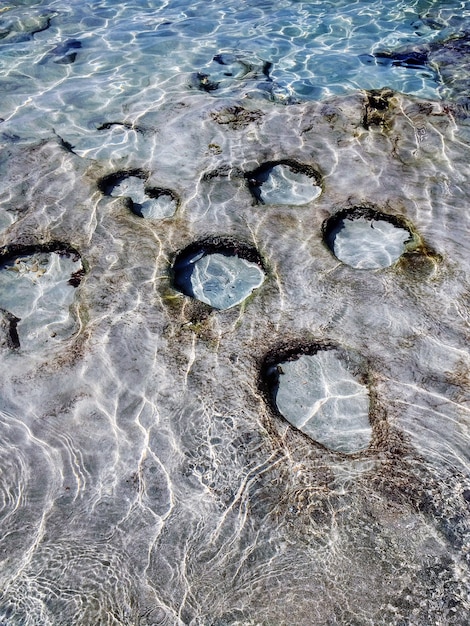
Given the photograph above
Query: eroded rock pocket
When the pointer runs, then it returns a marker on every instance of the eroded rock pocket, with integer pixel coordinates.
(284, 182)
(148, 202)
(37, 288)
(227, 67)
(218, 271)
(365, 238)
(319, 390)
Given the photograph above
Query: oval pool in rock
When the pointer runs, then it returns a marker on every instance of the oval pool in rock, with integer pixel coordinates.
(147, 202)
(318, 394)
(221, 274)
(285, 183)
(37, 289)
(365, 238)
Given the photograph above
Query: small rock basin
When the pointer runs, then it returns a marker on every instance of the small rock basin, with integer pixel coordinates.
(219, 275)
(318, 394)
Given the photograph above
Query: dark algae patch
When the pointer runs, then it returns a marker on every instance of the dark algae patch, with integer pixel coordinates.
(107, 183)
(236, 117)
(12, 251)
(8, 324)
(377, 108)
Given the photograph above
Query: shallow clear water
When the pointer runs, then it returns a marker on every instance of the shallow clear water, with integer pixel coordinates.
(137, 54)
(318, 395)
(219, 280)
(146, 476)
(369, 244)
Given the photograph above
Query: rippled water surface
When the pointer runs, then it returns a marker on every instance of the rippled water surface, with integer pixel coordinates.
(318, 395)
(234, 313)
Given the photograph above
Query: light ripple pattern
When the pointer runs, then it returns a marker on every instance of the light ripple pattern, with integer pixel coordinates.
(36, 290)
(369, 244)
(318, 395)
(284, 186)
(222, 281)
(134, 55)
(160, 452)
(145, 477)
(151, 208)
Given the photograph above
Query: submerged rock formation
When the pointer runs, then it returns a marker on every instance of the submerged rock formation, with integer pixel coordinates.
(147, 435)
(367, 239)
(447, 58)
(144, 201)
(36, 291)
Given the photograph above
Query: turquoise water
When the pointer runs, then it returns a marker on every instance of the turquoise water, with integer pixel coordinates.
(234, 313)
(134, 55)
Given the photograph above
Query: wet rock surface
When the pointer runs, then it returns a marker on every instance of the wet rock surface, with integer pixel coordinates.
(144, 434)
(236, 117)
(145, 201)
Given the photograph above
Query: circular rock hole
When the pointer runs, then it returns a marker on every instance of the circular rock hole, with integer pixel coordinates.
(318, 390)
(284, 182)
(219, 271)
(147, 202)
(365, 238)
(37, 285)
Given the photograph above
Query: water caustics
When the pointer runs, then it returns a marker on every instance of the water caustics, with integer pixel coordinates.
(218, 274)
(285, 183)
(366, 239)
(147, 202)
(318, 395)
(38, 291)
(234, 305)
(223, 281)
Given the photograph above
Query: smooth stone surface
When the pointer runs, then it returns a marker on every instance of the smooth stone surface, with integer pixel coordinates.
(369, 244)
(36, 290)
(284, 186)
(224, 281)
(320, 397)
